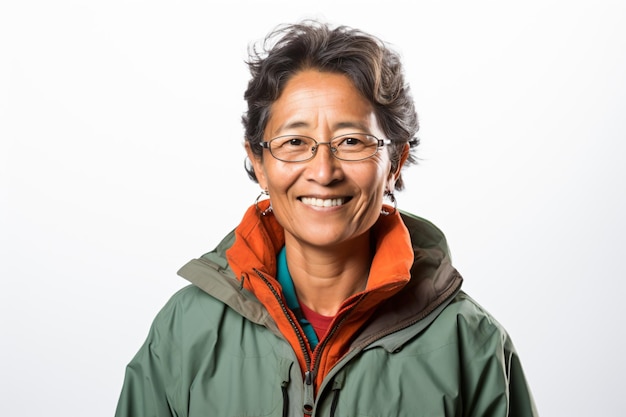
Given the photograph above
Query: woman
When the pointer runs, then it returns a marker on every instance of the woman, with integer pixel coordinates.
(324, 301)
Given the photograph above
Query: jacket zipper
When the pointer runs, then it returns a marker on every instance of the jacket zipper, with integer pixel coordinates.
(333, 330)
(286, 312)
(309, 396)
(311, 364)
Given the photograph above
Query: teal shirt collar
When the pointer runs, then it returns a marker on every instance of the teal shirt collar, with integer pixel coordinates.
(289, 291)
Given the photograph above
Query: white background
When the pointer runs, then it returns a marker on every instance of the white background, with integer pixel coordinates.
(121, 158)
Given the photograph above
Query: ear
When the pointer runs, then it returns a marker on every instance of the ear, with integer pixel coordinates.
(393, 175)
(257, 165)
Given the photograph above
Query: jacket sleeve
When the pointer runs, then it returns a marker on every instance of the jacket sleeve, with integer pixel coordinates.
(152, 378)
(493, 381)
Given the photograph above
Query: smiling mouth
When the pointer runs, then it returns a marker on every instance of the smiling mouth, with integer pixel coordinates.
(324, 202)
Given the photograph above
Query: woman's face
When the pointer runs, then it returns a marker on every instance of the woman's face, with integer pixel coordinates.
(323, 202)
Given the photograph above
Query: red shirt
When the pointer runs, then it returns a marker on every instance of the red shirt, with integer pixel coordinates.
(319, 322)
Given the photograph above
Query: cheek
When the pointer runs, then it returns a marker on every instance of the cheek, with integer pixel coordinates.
(279, 176)
(372, 183)
(379, 175)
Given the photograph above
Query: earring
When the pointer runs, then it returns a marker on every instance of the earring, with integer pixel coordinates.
(393, 201)
(268, 210)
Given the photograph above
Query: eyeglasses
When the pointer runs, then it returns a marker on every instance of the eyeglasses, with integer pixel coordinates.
(348, 147)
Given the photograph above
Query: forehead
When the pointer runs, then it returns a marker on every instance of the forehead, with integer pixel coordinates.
(314, 100)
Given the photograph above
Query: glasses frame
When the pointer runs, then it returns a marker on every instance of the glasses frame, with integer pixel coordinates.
(333, 150)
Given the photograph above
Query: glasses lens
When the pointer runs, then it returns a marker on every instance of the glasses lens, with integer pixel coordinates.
(292, 148)
(354, 146)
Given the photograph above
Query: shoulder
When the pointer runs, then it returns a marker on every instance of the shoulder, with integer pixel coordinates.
(473, 326)
(190, 296)
(189, 310)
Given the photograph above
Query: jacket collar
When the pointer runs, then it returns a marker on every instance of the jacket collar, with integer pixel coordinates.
(255, 242)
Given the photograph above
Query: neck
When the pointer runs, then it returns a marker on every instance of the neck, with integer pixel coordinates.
(325, 277)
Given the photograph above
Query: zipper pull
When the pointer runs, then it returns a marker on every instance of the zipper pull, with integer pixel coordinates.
(309, 398)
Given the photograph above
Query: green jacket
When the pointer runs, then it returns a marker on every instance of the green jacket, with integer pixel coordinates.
(213, 350)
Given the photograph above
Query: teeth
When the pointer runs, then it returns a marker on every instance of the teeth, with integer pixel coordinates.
(319, 202)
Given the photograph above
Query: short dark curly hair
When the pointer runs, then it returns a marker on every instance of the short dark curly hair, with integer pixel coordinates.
(374, 68)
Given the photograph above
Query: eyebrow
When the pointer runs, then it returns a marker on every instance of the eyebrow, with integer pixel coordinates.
(341, 125)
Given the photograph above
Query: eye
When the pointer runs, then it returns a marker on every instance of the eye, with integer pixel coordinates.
(352, 140)
(295, 142)
(290, 142)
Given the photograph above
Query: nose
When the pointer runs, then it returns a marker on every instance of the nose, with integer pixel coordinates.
(324, 167)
